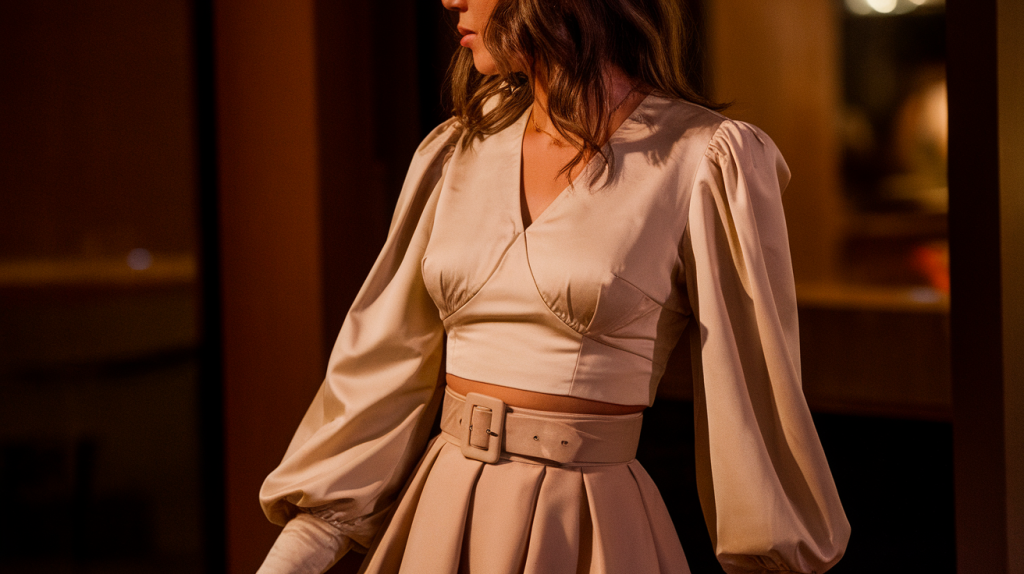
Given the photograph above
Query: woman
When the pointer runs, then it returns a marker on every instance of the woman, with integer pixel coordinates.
(559, 233)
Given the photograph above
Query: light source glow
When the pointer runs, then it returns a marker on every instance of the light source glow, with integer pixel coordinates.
(882, 6)
(889, 7)
(140, 259)
(858, 7)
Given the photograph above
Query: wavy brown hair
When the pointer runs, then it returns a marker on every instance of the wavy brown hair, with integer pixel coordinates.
(572, 40)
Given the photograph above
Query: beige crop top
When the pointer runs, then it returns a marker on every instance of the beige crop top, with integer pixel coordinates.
(589, 301)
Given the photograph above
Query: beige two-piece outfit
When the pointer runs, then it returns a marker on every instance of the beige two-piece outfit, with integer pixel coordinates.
(589, 301)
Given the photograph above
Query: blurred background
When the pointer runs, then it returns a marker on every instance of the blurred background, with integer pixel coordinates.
(191, 193)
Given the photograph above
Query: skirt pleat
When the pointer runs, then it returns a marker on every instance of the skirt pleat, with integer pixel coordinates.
(666, 542)
(439, 520)
(562, 517)
(614, 502)
(498, 527)
(520, 516)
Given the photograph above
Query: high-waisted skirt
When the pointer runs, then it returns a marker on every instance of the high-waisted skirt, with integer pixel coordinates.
(551, 503)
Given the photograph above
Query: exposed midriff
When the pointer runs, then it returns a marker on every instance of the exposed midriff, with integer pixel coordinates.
(539, 401)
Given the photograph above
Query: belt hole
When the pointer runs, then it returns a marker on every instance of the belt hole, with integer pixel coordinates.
(535, 438)
(565, 442)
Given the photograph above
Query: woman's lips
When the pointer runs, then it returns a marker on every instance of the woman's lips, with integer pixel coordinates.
(468, 36)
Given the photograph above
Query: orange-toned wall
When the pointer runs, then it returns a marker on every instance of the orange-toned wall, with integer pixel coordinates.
(96, 145)
(270, 248)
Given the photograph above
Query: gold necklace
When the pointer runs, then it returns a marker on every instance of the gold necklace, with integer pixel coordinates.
(558, 142)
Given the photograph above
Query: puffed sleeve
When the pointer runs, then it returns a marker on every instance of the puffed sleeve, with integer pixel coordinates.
(369, 422)
(765, 487)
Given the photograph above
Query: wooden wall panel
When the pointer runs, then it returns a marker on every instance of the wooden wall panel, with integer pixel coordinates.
(778, 63)
(1010, 21)
(270, 248)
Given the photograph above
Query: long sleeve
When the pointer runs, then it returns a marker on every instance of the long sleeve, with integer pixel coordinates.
(307, 545)
(767, 493)
(369, 421)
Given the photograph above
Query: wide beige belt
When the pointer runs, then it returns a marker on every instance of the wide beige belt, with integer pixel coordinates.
(487, 429)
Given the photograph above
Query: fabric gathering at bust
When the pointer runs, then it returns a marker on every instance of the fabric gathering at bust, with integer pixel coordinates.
(682, 223)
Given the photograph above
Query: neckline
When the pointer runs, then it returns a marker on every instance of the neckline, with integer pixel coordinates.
(520, 131)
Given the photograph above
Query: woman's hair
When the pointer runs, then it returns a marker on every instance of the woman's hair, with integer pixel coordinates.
(572, 40)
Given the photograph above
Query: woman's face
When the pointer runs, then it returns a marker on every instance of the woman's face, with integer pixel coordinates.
(473, 18)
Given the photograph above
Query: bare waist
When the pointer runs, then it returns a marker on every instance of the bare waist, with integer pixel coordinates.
(539, 401)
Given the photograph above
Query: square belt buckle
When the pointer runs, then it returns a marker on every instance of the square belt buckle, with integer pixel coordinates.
(494, 432)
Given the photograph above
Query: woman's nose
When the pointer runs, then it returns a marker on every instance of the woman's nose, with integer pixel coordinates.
(455, 5)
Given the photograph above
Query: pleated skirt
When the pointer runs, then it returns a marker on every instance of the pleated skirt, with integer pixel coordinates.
(458, 515)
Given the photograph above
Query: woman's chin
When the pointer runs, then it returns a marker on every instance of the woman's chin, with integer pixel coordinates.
(484, 64)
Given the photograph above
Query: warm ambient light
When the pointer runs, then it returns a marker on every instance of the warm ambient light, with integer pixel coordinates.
(882, 6)
(888, 7)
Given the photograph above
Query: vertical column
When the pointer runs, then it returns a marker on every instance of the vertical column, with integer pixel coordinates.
(369, 127)
(1010, 22)
(271, 273)
(986, 249)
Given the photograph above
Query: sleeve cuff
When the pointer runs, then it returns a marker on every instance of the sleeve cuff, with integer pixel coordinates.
(307, 545)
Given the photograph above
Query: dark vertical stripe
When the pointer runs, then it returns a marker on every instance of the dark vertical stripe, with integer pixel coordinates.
(976, 310)
(210, 389)
(436, 42)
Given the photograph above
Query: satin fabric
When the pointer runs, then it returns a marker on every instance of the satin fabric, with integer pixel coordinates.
(307, 545)
(685, 223)
(461, 515)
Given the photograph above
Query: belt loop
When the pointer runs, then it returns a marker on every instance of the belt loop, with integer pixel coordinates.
(493, 434)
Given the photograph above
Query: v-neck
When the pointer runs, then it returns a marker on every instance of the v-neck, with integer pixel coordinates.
(587, 168)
